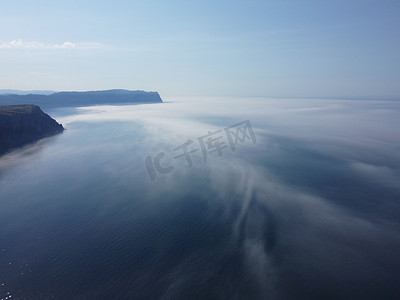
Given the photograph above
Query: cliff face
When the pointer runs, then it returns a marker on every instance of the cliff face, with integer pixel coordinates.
(22, 124)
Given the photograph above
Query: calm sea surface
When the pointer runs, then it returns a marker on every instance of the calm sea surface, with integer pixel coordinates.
(206, 199)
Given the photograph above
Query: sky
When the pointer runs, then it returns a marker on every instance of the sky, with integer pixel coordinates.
(229, 48)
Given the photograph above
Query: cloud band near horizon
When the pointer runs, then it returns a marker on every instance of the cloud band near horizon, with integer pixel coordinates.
(20, 44)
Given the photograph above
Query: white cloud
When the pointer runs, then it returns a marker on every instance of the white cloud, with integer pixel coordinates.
(65, 45)
(20, 44)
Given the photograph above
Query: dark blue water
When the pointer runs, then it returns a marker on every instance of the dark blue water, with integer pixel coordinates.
(309, 211)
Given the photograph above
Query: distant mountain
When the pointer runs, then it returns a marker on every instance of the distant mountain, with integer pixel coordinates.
(23, 124)
(21, 92)
(68, 99)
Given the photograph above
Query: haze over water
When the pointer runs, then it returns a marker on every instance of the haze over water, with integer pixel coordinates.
(311, 210)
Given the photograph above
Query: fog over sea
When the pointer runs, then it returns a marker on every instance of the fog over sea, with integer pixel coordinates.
(311, 210)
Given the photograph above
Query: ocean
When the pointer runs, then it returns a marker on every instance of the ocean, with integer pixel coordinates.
(206, 198)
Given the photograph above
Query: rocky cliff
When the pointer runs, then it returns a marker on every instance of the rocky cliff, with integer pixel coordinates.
(22, 124)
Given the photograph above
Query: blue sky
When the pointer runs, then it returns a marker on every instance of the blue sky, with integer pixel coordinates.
(203, 48)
